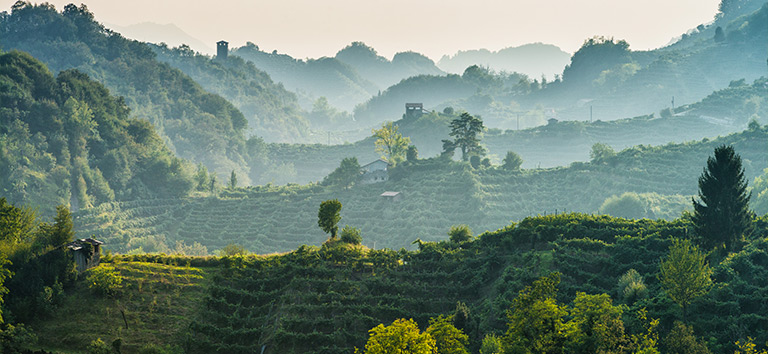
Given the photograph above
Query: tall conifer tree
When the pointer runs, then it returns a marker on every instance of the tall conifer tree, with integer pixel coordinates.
(722, 216)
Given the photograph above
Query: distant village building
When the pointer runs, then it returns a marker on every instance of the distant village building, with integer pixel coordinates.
(222, 49)
(86, 252)
(393, 196)
(551, 121)
(414, 110)
(375, 172)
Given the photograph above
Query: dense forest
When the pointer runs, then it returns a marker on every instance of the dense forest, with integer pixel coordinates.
(65, 140)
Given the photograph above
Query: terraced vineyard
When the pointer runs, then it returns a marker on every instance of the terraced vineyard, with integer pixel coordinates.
(436, 194)
(311, 302)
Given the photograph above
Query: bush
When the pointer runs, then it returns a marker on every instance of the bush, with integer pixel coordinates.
(460, 233)
(15, 339)
(628, 206)
(351, 235)
(512, 161)
(632, 287)
(104, 280)
(232, 250)
(601, 153)
(98, 346)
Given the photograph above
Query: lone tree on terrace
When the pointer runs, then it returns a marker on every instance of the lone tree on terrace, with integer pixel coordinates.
(328, 216)
(465, 130)
(722, 217)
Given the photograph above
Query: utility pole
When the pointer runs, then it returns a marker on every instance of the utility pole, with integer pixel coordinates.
(590, 113)
(673, 103)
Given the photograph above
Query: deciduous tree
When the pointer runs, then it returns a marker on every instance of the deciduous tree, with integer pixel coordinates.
(448, 338)
(402, 337)
(685, 274)
(345, 175)
(390, 144)
(329, 216)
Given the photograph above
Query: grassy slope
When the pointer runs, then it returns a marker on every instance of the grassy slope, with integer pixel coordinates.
(435, 196)
(159, 302)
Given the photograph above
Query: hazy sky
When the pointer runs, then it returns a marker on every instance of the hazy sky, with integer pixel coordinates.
(314, 28)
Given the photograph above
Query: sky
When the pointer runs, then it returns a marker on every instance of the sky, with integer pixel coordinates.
(312, 28)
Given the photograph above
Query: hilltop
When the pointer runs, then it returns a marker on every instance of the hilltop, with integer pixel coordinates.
(534, 60)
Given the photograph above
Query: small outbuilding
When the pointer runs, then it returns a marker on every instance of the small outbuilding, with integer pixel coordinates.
(86, 253)
(393, 196)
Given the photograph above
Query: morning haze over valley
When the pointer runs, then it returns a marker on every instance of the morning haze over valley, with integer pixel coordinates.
(424, 177)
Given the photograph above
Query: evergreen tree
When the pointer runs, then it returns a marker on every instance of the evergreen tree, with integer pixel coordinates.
(722, 217)
(465, 130)
(232, 180)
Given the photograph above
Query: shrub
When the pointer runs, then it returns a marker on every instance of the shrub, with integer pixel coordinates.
(351, 235)
(632, 287)
(98, 346)
(460, 233)
(232, 250)
(104, 280)
(512, 161)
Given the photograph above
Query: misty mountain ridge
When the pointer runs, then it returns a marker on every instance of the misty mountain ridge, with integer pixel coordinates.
(533, 59)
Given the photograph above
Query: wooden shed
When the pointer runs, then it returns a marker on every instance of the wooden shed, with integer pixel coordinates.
(86, 253)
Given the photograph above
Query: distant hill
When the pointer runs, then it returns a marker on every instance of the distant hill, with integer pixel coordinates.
(168, 33)
(196, 124)
(326, 77)
(380, 70)
(66, 140)
(534, 60)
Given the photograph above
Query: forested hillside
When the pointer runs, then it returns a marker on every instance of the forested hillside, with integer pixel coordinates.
(616, 81)
(197, 125)
(272, 111)
(65, 140)
(436, 193)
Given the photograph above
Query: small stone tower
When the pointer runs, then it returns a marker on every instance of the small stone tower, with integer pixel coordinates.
(222, 49)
